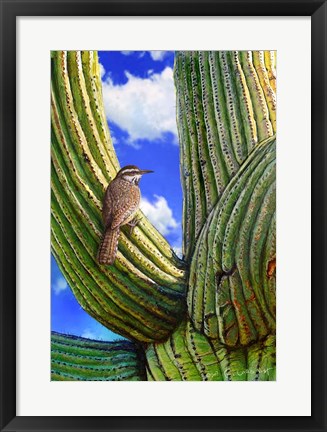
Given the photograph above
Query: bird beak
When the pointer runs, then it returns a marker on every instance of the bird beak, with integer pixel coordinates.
(146, 171)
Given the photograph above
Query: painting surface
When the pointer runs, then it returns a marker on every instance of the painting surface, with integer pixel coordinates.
(170, 275)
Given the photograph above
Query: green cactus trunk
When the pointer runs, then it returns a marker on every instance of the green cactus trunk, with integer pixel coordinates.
(142, 295)
(79, 359)
(188, 355)
(212, 315)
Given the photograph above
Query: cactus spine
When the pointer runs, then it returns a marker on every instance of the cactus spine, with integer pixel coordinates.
(79, 359)
(141, 297)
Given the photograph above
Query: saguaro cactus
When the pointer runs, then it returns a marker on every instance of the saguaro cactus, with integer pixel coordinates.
(80, 359)
(210, 316)
(142, 295)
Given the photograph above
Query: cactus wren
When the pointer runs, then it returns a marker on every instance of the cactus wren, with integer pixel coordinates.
(121, 202)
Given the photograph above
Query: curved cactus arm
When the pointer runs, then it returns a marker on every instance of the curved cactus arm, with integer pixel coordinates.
(142, 295)
(226, 111)
(226, 104)
(78, 359)
(188, 355)
(231, 293)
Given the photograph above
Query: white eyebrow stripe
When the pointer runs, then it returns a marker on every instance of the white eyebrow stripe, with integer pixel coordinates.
(130, 170)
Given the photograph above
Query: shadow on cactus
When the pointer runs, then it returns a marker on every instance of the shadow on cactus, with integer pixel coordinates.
(212, 314)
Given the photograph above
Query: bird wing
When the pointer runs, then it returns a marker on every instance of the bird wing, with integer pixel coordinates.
(126, 200)
(107, 208)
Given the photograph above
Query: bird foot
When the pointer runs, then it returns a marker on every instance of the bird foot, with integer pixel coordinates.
(133, 224)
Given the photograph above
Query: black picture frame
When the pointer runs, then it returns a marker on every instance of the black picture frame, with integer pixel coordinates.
(10, 9)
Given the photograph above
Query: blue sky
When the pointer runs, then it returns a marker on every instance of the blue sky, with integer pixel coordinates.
(139, 100)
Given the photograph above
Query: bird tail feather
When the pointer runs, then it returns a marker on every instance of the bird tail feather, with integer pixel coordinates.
(108, 247)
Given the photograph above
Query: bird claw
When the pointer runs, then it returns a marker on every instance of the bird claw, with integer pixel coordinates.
(133, 224)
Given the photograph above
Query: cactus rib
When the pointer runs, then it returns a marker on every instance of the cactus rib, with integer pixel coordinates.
(198, 358)
(222, 253)
(79, 359)
(147, 283)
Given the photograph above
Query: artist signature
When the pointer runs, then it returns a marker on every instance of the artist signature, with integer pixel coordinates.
(247, 371)
(228, 374)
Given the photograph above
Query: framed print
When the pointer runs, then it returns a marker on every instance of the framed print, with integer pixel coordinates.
(159, 167)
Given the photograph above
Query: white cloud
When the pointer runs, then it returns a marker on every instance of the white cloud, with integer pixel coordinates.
(140, 54)
(88, 334)
(155, 55)
(60, 285)
(178, 251)
(160, 214)
(158, 55)
(144, 108)
(102, 70)
(100, 333)
(113, 138)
